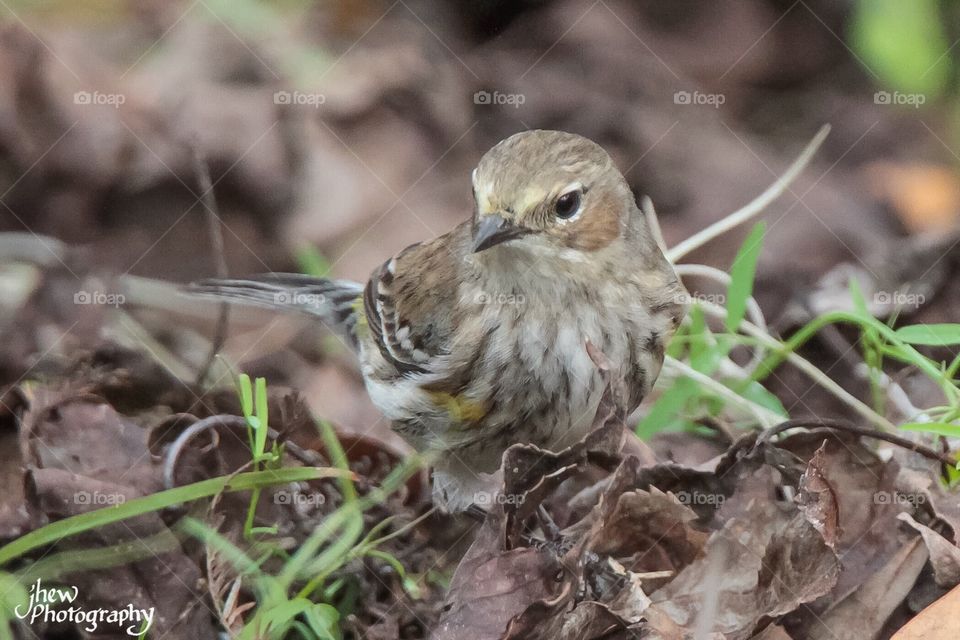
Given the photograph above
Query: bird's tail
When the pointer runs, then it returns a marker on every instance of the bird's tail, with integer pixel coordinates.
(334, 302)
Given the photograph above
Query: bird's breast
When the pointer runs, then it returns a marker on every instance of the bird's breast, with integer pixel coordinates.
(541, 377)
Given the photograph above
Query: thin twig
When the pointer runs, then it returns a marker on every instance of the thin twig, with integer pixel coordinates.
(220, 261)
(867, 432)
(646, 206)
(806, 367)
(172, 457)
(763, 415)
(753, 308)
(755, 207)
(16, 246)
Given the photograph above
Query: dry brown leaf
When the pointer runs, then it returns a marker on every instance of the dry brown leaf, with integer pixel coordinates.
(920, 479)
(866, 502)
(925, 197)
(863, 614)
(82, 455)
(490, 587)
(818, 499)
(652, 529)
(771, 564)
(944, 556)
(773, 632)
(939, 621)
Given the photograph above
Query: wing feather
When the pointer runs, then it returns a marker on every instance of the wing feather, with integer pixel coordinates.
(411, 303)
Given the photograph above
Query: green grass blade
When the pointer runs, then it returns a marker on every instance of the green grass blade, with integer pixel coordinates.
(324, 620)
(246, 394)
(338, 458)
(239, 560)
(261, 409)
(931, 335)
(13, 595)
(312, 262)
(742, 273)
(57, 565)
(73, 525)
(939, 428)
(668, 409)
(758, 394)
(904, 43)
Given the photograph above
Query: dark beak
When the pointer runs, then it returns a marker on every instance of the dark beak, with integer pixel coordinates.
(493, 230)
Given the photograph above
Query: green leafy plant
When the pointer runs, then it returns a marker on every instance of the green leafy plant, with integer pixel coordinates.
(702, 384)
(698, 385)
(253, 403)
(54, 532)
(306, 595)
(904, 43)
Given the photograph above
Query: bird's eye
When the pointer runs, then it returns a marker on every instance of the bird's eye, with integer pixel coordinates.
(568, 204)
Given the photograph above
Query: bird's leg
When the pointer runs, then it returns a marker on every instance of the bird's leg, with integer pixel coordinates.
(552, 538)
(476, 512)
(551, 532)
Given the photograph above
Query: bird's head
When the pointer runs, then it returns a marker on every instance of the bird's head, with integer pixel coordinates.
(549, 190)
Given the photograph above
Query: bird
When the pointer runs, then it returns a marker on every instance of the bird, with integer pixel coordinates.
(477, 339)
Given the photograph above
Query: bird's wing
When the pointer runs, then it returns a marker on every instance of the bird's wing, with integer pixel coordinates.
(411, 302)
(334, 302)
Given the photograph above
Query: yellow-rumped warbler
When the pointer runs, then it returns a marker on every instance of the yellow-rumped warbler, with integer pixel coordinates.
(476, 340)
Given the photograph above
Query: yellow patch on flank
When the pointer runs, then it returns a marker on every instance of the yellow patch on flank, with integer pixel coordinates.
(461, 411)
(362, 329)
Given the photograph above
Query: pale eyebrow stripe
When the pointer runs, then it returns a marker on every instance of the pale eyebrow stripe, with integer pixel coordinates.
(531, 198)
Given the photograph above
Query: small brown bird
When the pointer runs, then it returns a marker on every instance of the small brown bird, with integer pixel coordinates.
(476, 340)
